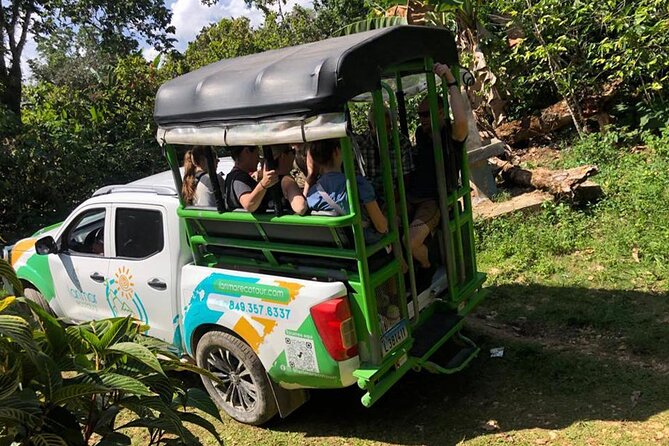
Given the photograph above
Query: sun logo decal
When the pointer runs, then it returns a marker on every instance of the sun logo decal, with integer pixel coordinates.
(124, 284)
(122, 298)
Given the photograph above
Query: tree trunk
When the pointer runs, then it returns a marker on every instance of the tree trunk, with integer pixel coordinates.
(11, 89)
(550, 119)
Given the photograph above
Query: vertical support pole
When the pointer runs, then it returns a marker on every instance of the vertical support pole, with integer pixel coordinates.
(441, 177)
(401, 105)
(403, 211)
(367, 322)
(467, 200)
(173, 162)
(456, 201)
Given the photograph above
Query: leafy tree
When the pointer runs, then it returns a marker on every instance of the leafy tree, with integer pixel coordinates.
(115, 25)
(72, 57)
(231, 38)
(332, 15)
(77, 140)
(563, 49)
(223, 40)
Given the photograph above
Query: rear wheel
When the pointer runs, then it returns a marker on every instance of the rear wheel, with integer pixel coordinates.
(244, 392)
(37, 297)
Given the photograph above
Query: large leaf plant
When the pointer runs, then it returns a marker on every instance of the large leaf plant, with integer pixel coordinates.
(67, 385)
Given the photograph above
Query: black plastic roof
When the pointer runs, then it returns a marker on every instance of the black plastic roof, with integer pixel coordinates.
(297, 81)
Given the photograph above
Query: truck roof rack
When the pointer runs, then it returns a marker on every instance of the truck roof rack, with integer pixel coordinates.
(124, 188)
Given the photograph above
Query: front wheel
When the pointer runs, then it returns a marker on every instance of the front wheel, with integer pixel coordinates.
(37, 297)
(244, 392)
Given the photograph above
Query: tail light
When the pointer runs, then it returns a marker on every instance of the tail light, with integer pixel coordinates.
(335, 326)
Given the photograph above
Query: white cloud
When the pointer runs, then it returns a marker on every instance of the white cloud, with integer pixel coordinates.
(190, 16)
(149, 53)
(29, 52)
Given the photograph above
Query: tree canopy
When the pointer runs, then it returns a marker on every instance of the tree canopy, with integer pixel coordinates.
(113, 25)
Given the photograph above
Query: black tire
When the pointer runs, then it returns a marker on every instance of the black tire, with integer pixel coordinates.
(37, 297)
(246, 394)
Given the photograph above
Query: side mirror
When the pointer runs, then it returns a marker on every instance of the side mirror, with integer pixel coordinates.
(46, 245)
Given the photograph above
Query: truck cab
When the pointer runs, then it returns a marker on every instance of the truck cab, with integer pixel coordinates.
(120, 253)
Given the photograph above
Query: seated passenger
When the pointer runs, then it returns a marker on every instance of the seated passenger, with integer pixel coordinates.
(369, 150)
(329, 192)
(241, 190)
(196, 189)
(245, 192)
(284, 155)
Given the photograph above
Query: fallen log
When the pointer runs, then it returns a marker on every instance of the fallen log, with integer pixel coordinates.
(526, 203)
(561, 183)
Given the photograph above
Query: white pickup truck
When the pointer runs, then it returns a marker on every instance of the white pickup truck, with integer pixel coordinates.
(124, 252)
(272, 303)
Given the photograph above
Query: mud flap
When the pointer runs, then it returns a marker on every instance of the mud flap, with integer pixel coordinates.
(287, 401)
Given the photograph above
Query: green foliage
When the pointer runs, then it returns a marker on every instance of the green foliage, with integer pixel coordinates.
(231, 38)
(590, 43)
(75, 140)
(624, 235)
(67, 385)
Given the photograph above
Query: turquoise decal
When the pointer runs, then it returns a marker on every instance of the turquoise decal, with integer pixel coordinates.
(197, 312)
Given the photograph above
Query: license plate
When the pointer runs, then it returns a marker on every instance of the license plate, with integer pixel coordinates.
(394, 337)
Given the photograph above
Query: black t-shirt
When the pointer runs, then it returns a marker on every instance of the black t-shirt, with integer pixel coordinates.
(424, 177)
(238, 183)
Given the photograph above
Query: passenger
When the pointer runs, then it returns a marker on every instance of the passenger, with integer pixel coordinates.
(245, 192)
(329, 192)
(196, 189)
(241, 190)
(369, 149)
(284, 156)
(423, 193)
(98, 246)
(305, 175)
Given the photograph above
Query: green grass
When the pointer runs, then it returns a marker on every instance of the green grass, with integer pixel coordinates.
(578, 299)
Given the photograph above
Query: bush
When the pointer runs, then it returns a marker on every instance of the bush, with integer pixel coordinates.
(67, 385)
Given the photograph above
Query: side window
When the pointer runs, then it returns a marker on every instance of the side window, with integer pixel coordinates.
(86, 234)
(139, 233)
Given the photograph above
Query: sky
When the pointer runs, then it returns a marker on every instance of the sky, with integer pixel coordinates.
(188, 17)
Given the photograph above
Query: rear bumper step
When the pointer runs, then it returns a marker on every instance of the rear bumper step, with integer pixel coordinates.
(458, 361)
(433, 331)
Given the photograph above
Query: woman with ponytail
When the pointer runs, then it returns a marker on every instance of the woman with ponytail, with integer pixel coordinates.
(197, 189)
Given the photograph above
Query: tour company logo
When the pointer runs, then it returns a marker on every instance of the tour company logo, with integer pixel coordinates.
(122, 298)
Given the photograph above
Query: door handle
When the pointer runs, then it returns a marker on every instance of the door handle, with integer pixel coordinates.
(157, 284)
(97, 277)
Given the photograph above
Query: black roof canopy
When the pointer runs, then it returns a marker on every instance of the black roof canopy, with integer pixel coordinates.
(301, 80)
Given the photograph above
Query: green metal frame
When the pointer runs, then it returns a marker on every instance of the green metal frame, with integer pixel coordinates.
(377, 373)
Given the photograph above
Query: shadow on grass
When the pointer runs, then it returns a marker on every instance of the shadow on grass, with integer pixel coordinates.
(535, 385)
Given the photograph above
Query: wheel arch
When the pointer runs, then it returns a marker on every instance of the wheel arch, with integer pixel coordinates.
(203, 329)
(31, 278)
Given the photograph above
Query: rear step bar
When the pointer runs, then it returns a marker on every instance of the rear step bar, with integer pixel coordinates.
(459, 361)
